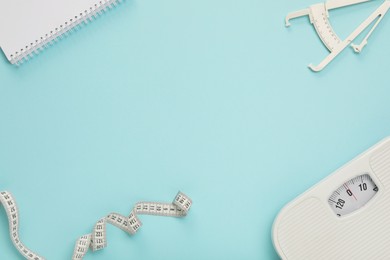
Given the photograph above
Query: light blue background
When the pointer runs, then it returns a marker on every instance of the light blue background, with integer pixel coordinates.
(209, 97)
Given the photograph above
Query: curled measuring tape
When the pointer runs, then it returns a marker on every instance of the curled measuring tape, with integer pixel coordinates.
(97, 239)
(11, 209)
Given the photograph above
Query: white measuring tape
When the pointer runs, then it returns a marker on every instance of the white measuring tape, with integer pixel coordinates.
(13, 218)
(97, 239)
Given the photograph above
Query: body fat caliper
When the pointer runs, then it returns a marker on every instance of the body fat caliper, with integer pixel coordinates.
(319, 17)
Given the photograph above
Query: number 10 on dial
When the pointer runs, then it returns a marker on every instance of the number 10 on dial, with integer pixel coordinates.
(353, 195)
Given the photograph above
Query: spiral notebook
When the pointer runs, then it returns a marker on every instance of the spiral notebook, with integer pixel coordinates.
(27, 27)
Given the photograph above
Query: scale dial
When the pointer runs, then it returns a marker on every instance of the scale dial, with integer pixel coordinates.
(353, 195)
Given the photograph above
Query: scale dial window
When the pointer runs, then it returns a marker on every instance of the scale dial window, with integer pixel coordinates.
(353, 195)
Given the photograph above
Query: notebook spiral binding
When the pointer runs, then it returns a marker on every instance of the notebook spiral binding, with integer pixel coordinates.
(46, 40)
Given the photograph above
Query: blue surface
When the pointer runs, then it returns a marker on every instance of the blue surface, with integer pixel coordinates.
(209, 97)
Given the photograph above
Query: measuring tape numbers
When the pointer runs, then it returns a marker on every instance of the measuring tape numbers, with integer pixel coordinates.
(97, 240)
(11, 209)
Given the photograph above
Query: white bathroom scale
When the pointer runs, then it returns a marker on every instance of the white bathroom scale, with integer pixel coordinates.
(345, 216)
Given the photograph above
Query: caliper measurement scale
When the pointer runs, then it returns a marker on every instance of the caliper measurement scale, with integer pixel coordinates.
(345, 216)
(319, 17)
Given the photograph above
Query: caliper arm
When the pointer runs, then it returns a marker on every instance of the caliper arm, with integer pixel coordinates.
(330, 4)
